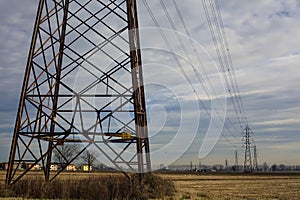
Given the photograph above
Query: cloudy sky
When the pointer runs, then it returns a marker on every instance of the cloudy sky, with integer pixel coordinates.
(263, 38)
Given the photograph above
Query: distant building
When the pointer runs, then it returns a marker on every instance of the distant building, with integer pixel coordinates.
(34, 167)
(71, 167)
(218, 167)
(178, 167)
(85, 168)
(53, 167)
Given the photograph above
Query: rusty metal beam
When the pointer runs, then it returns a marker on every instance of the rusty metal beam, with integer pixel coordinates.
(68, 37)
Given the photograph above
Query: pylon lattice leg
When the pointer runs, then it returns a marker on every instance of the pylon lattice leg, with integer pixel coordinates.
(83, 84)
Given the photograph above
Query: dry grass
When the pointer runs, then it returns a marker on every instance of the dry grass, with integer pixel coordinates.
(188, 186)
(90, 186)
(238, 186)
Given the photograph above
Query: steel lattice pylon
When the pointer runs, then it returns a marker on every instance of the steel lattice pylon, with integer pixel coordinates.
(83, 84)
(255, 164)
(236, 162)
(247, 144)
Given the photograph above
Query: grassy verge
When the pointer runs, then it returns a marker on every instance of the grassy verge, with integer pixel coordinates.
(98, 187)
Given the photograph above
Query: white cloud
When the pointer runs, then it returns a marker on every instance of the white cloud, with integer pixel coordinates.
(282, 121)
(263, 41)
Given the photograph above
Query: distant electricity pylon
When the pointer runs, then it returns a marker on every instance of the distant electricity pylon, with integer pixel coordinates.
(226, 164)
(236, 162)
(247, 132)
(83, 84)
(255, 164)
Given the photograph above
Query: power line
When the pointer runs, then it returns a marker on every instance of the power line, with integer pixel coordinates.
(203, 69)
(199, 60)
(216, 27)
(176, 59)
(230, 61)
(218, 41)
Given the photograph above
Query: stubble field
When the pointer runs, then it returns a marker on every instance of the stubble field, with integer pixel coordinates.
(236, 186)
(220, 186)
